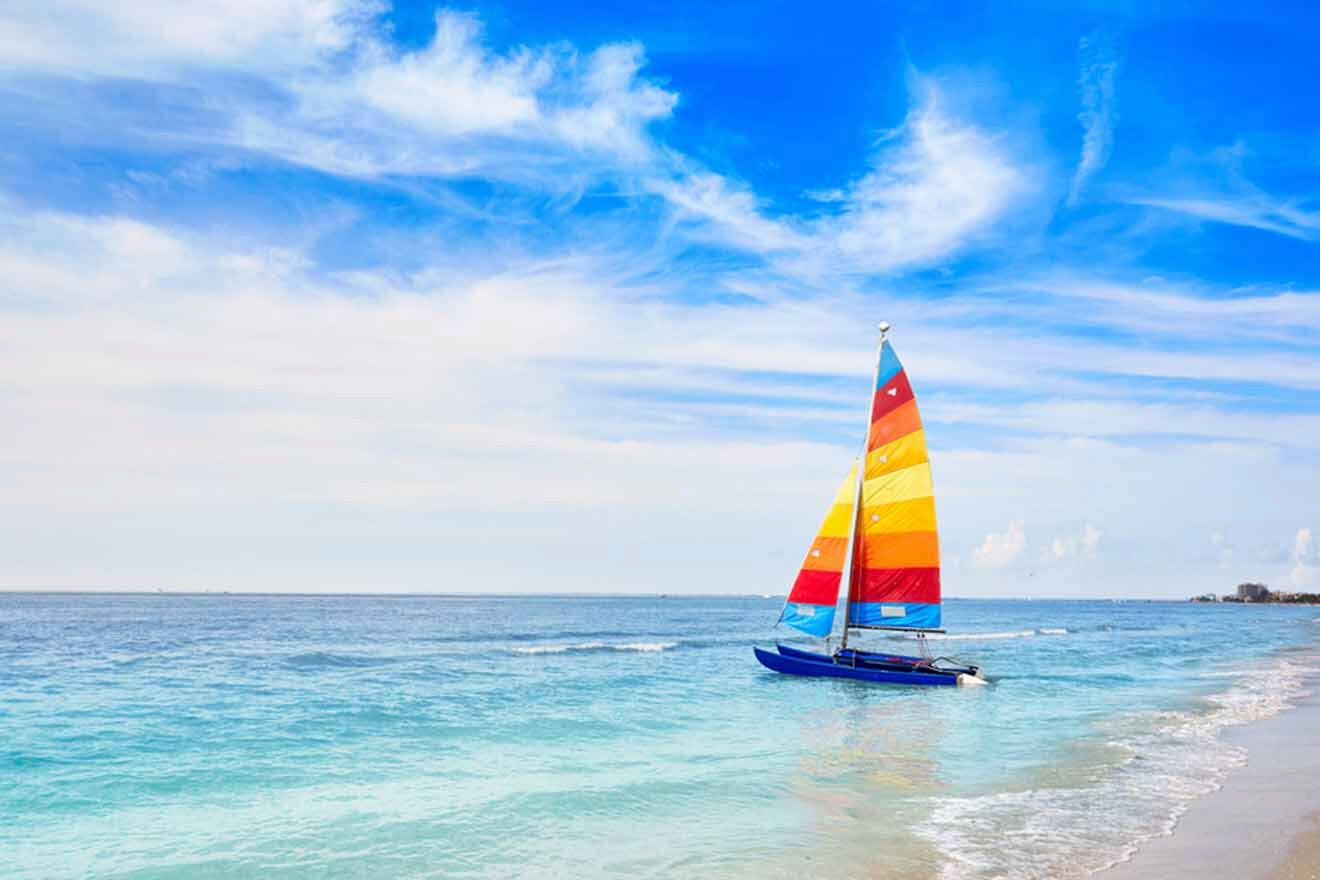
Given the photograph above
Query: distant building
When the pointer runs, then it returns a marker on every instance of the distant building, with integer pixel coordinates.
(1253, 592)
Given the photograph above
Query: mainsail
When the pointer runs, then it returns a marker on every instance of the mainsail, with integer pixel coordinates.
(810, 605)
(895, 577)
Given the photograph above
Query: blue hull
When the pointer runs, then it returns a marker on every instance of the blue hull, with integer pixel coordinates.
(861, 666)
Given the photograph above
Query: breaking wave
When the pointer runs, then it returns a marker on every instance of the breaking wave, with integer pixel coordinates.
(644, 647)
(1167, 760)
(995, 636)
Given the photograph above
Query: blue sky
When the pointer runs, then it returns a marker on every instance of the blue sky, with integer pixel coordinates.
(346, 295)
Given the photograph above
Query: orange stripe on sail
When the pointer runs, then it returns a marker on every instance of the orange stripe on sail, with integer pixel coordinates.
(826, 554)
(899, 423)
(901, 550)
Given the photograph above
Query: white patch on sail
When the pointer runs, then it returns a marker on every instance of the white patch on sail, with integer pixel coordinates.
(892, 392)
(893, 611)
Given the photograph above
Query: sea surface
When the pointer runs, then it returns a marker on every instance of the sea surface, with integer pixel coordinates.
(229, 736)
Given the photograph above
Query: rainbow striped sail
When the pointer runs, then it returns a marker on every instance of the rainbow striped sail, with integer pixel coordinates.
(883, 531)
(810, 605)
(895, 578)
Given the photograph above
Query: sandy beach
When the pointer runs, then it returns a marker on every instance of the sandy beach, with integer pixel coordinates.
(1303, 859)
(1264, 823)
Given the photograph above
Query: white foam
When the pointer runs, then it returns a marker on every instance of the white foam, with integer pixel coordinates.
(981, 637)
(646, 647)
(995, 636)
(1171, 758)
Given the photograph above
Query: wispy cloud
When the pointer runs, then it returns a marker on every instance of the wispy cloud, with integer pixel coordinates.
(934, 184)
(1098, 83)
(1215, 187)
(169, 39)
(456, 107)
(1256, 211)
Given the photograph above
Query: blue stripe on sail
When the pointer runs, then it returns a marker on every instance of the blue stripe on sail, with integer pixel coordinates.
(913, 614)
(889, 366)
(814, 620)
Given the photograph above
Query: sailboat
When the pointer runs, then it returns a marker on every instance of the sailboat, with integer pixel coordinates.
(881, 530)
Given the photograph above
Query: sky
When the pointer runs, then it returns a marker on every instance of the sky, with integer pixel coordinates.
(344, 295)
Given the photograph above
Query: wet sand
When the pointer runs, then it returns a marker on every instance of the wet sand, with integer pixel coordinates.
(1303, 860)
(1263, 824)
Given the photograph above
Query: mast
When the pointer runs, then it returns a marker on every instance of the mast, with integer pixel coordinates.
(851, 559)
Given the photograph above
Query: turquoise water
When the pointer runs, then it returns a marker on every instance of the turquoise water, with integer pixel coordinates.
(152, 736)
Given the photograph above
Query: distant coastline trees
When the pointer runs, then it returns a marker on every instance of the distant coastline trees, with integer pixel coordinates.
(1256, 593)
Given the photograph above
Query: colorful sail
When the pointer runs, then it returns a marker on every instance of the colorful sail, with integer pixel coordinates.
(811, 602)
(896, 565)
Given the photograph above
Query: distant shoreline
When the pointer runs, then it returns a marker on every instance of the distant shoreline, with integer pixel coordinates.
(404, 594)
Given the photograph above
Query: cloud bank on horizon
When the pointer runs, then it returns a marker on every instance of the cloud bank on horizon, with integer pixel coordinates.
(348, 295)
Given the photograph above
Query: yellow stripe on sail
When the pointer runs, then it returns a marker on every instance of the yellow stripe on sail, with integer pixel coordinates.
(848, 489)
(917, 515)
(838, 522)
(901, 485)
(901, 453)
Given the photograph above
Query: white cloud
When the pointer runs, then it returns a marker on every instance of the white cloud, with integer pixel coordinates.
(1305, 572)
(1215, 186)
(729, 212)
(456, 107)
(156, 378)
(150, 39)
(349, 101)
(1001, 549)
(452, 86)
(1160, 308)
(456, 86)
(934, 184)
(1254, 211)
(322, 84)
(1084, 544)
(1097, 82)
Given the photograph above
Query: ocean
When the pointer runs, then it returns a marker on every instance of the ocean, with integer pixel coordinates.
(233, 736)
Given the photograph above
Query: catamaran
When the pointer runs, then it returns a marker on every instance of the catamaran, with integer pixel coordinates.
(881, 530)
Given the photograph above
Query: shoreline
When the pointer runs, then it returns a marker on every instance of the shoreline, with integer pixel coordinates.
(1263, 822)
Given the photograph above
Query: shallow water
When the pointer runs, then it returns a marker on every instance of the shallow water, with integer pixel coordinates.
(158, 736)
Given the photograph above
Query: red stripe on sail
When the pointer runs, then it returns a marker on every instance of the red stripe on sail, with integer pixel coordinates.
(816, 587)
(898, 585)
(891, 396)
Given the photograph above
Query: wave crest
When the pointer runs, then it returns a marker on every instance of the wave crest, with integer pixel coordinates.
(643, 647)
(994, 636)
